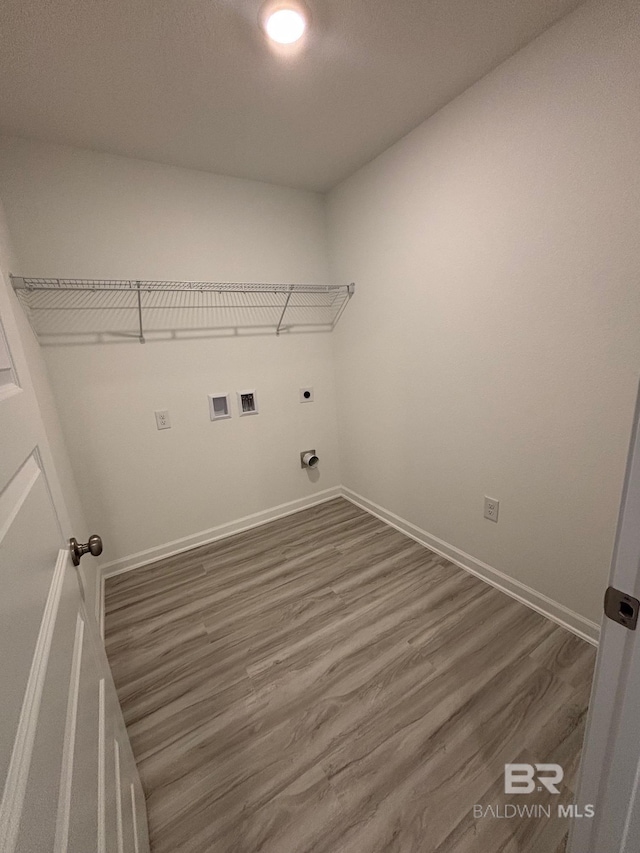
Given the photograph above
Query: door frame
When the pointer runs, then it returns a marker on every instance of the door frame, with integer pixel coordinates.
(609, 775)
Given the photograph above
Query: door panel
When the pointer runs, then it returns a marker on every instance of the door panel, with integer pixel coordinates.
(117, 730)
(41, 796)
(77, 795)
(81, 775)
(26, 575)
(66, 766)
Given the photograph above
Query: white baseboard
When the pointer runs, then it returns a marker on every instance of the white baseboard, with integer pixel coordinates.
(152, 555)
(558, 613)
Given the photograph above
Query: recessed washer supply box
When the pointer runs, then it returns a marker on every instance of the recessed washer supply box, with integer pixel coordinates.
(219, 406)
(247, 403)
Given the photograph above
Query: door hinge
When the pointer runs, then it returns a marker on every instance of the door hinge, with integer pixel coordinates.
(622, 608)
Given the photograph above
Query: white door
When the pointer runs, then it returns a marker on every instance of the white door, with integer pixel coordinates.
(610, 772)
(67, 774)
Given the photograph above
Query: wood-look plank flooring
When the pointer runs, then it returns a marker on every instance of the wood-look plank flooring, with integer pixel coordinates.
(323, 683)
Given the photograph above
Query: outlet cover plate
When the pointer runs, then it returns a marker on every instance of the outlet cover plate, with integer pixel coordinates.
(163, 421)
(491, 508)
(306, 395)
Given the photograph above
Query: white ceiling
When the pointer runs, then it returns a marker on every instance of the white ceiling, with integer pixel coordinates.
(194, 82)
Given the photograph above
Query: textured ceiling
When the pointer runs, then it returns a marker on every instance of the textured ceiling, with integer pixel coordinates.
(194, 82)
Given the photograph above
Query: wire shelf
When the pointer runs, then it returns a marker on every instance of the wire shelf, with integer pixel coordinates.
(90, 309)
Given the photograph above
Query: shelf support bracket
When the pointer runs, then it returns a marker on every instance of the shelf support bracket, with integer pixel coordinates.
(351, 289)
(284, 310)
(141, 329)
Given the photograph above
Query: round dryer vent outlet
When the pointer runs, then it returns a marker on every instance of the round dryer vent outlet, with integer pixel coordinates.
(308, 459)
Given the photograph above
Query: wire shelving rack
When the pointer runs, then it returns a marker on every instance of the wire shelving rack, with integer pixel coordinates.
(62, 308)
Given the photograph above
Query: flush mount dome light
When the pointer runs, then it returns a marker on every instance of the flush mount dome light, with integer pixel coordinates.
(285, 26)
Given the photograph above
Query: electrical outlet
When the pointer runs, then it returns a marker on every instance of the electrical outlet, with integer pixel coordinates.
(306, 395)
(163, 420)
(491, 508)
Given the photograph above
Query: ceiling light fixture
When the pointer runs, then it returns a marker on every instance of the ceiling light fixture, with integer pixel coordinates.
(285, 26)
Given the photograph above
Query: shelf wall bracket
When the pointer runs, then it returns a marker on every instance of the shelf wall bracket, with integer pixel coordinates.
(351, 289)
(284, 310)
(141, 329)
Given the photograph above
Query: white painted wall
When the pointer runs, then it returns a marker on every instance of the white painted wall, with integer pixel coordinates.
(494, 346)
(77, 213)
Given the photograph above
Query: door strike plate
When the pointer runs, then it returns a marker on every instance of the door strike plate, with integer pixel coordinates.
(622, 608)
